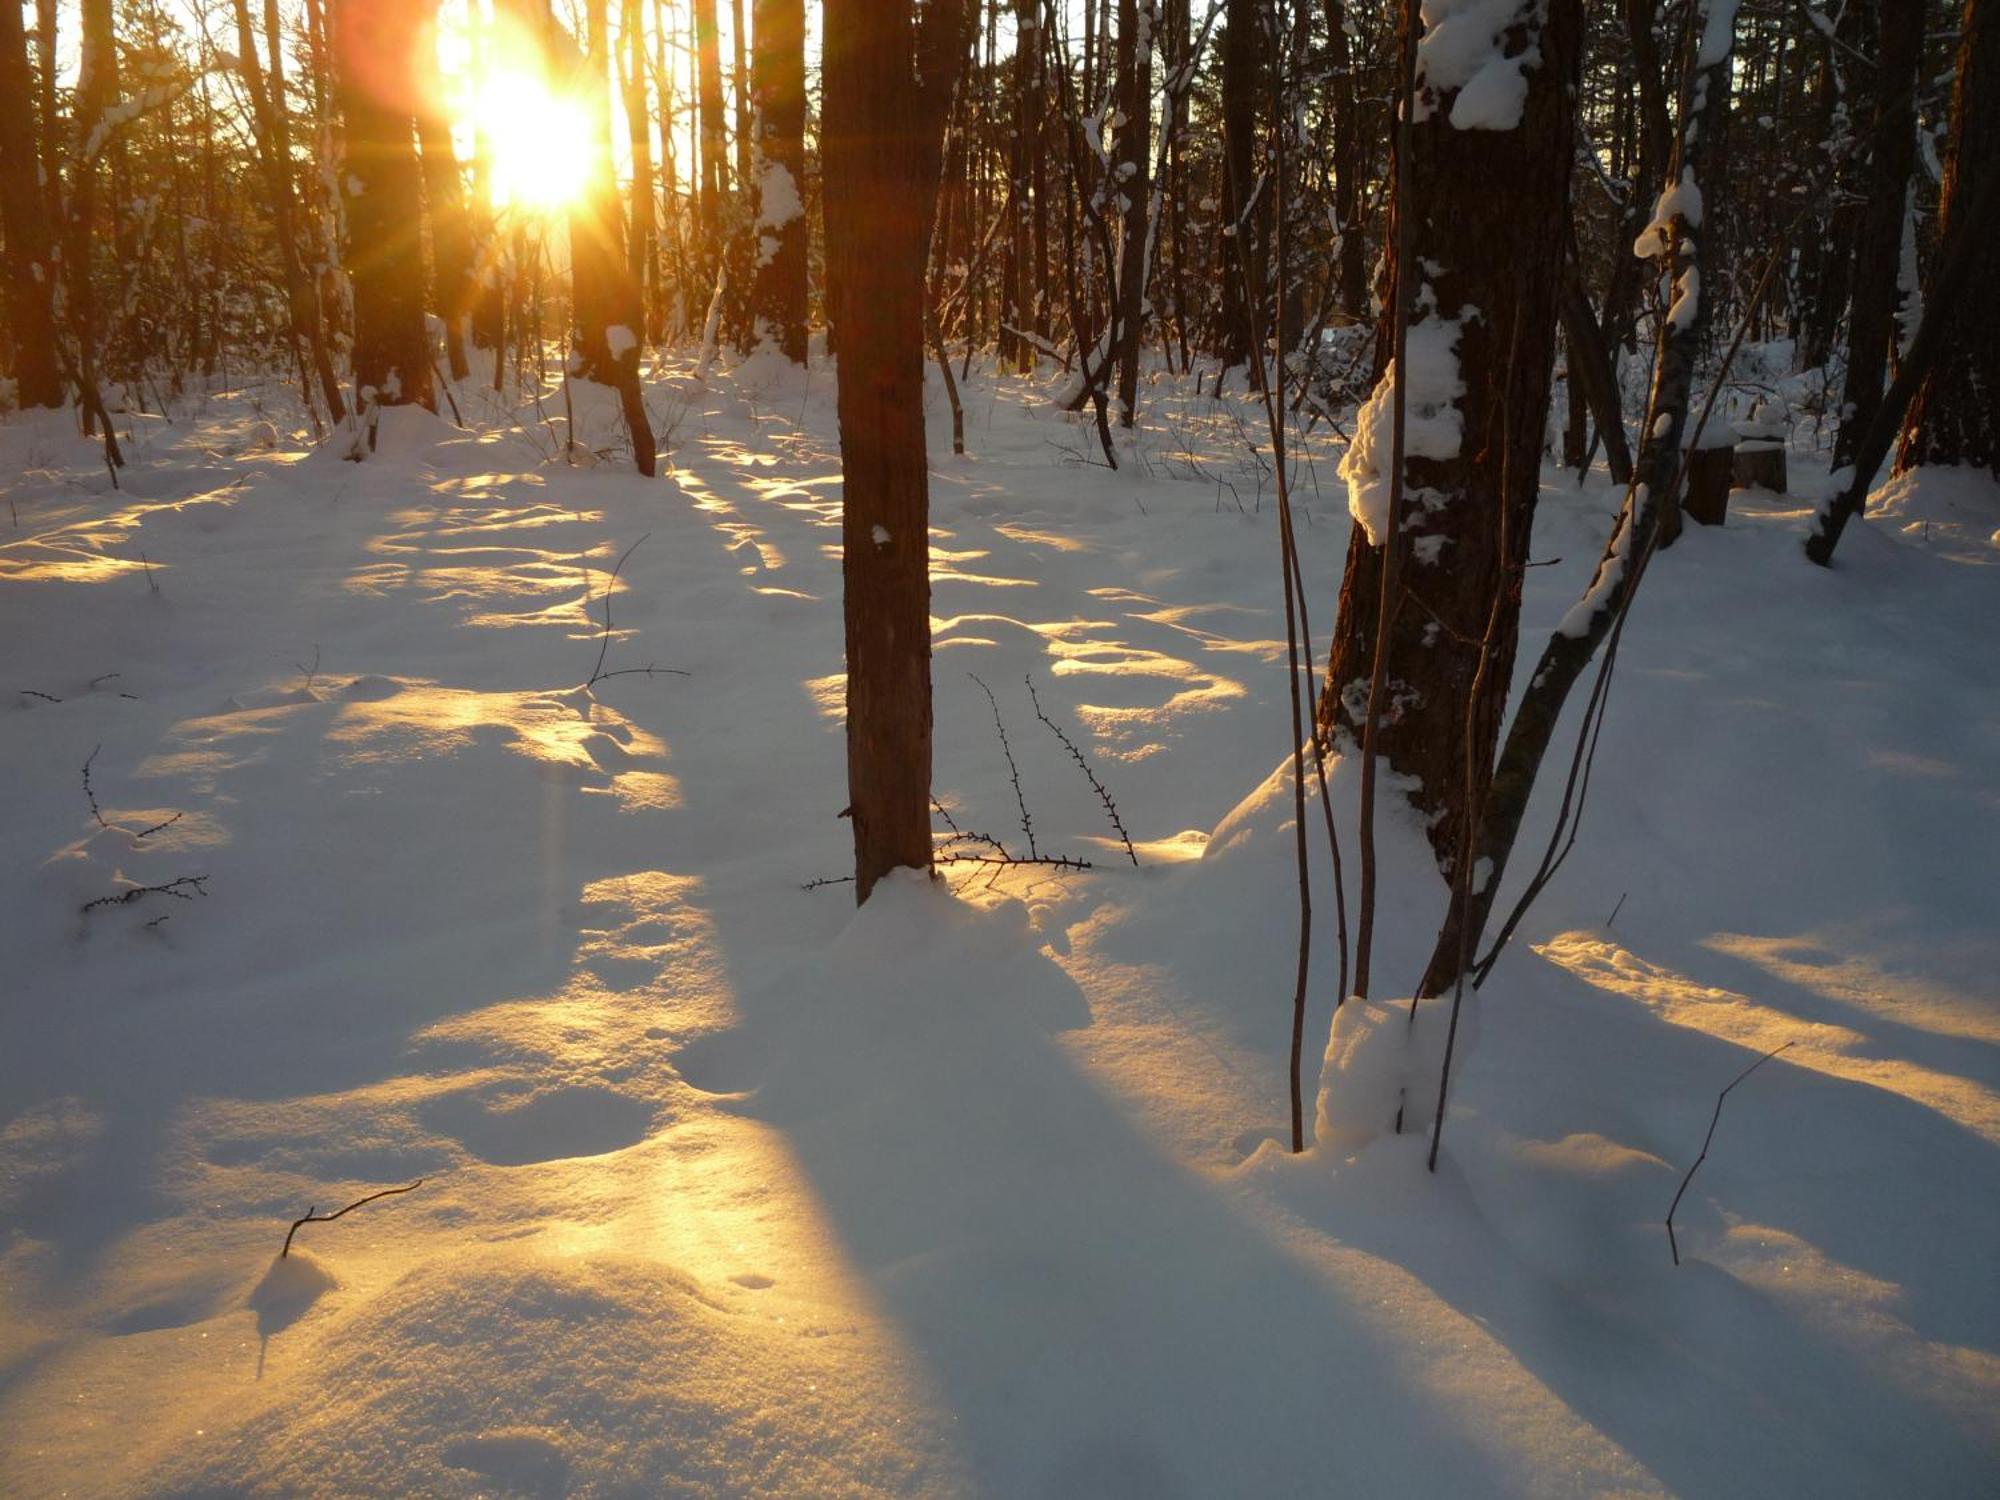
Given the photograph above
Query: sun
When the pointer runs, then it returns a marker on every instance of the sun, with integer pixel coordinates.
(538, 141)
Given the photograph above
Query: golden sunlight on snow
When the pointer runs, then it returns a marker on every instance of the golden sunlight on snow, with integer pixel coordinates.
(671, 1255)
(1838, 1051)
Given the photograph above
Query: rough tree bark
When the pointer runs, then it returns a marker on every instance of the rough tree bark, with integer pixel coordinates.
(1955, 418)
(1488, 224)
(608, 318)
(778, 86)
(1132, 191)
(274, 153)
(1241, 240)
(1670, 243)
(374, 44)
(888, 80)
(30, 262)
(1878, 250)
(452, 288)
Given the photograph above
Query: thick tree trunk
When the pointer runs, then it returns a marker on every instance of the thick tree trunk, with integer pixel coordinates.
(881, 144)
(30, 263)
(1878, 251)
(452, 288)
(1670, 243)
(375, 45)
(1488, 225)
(778, 84)
(1955, 418)
(608, 320)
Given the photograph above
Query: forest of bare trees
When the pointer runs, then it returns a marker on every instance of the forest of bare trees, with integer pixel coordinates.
(1501, 231)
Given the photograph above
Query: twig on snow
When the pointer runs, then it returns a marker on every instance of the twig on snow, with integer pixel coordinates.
(98, 814)
(314, 1216)
(597, 673)
(1672, 1243)
(1110, 807)
(178, 888)
(1027, 823)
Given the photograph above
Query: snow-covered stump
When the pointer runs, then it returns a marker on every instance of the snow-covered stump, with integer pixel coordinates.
(1381, 1070)
(1760, 456)
(1711, 471)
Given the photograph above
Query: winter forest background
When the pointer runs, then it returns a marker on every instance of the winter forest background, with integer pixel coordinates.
(1037, 749)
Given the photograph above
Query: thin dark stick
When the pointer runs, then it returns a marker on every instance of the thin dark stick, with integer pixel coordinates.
(646, 671)
(1616, 909)
(1385, 609)
(95, 811)
(597, 673)
(1110, 807)
(1027, 823)
(45, 697)
(1708, 1140)
(98, 814)
(1503, 587)
(1052, 861)
(313, 1216)
(177, 888)
(813, 885)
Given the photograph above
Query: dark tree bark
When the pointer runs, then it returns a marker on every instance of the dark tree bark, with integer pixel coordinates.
(375, 45)
(274, 150)
(1670, 242)
(30, 262)
(1026, 246)
(1351, 277)
(96, 91)
(1138, 20)
(710, 134)
(778, 84)
(640, 242)
(608, 319)
(888, 80)
(1488, 225)
(1240, 251)
(452, 288)
(1955, 418)
(1878, 250)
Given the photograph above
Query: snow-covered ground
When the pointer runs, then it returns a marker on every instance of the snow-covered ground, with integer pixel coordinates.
(730, 1190)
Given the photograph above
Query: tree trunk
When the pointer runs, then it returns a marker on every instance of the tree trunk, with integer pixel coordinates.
(1669, 242)
(608, 320)
(714, 157)
(273, 143)
(30, 262)
(639, 243)
(778, 83)
(1955, 418)
(1489, 221)
(888, 81)
(1138, 20)
(375, 43)
(1238, 253)
(452, 287)
(1878, 251)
